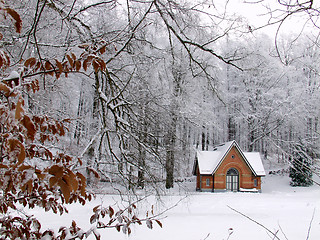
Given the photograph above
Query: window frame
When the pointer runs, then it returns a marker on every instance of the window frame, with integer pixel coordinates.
(232, 179)
(255, 182)
(208, 182)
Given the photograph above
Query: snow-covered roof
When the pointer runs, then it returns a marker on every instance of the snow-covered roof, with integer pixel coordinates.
(255, 161)
(209, 161)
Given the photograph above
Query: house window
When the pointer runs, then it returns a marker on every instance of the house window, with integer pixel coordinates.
(255, 182)
(208, 182)
(232, 180)
(232, 156)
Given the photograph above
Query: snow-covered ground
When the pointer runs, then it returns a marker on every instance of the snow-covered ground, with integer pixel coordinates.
(280, 208)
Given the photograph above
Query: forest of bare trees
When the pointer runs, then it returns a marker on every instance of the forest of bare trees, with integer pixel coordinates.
(140, 85)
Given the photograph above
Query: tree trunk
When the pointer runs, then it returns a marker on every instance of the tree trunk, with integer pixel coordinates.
(79, 124)
(170, 150)
(171, 134)
(251, 136)
(231, 129)
(203, 139)
(142, 152)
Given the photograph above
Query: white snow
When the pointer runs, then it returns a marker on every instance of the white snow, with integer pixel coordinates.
(254, 160)
(280, 208)
(12, 75)
(210, 160)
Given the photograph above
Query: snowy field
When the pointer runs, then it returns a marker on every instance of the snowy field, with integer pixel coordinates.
(280, 208)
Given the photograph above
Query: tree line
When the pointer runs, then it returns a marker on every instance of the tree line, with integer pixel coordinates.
(132, 88)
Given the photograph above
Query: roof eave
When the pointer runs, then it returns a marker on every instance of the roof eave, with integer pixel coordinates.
(223, 157)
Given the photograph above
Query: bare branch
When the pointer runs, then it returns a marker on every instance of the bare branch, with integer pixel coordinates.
(261, 225)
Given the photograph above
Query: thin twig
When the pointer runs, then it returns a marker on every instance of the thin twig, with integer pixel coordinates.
(261, 225)
(309, 229)
(282, 232)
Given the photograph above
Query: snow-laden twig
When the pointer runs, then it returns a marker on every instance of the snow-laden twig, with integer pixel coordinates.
(261, 225)
(282, 232)
(309, 229)
(207, 236)
(90, 143)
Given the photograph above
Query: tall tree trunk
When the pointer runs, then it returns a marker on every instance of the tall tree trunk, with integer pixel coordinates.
(142, 151)
(231, 128)
(203, 139)
(171, 133)
(79, 124)
(251, 134)
(170, 150)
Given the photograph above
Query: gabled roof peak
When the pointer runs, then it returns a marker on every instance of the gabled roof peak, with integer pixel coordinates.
(209, 161)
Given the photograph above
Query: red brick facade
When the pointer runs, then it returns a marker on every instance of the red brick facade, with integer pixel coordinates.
(218, 181)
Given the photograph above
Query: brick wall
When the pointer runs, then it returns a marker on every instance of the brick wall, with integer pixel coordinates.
(232, 160)
(235, 160)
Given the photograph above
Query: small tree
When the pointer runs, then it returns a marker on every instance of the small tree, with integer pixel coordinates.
(300, 169)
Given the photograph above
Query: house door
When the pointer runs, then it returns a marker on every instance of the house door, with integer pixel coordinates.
(232, 180)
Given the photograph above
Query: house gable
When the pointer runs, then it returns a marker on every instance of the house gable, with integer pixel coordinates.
(233, 159)
(213, 166)
(209, 161)
(239, 158)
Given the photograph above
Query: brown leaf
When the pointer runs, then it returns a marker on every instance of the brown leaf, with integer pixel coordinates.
(17, 149)
(80, 162)
(24, 167)
(19, 108)
(70, 60)
(48, 154)
(93, 218)
(7, 58)
(74, 224)
(96, 208)
(41, 176)
(5, 89)
(111, 211)
(30, 62)
(102, 64)
(64, 189)
(73, 181)
(31, 129)
(90, 196)
(95, 173)
(95, 65)
(16, 17)
(3, 165)
(60, 128)
(103, 49)
(160, 223)
(1, 61)
(83, 181)
(83, 46)
(73, 56)
(59, 65)
(86, 64)
(28, 186)
(35, 85)
(53, 181)
(56, 171)
(37, 66)
(48, 66)
(78, 65)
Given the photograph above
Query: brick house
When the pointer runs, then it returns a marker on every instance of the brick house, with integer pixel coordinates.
(227, 168)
